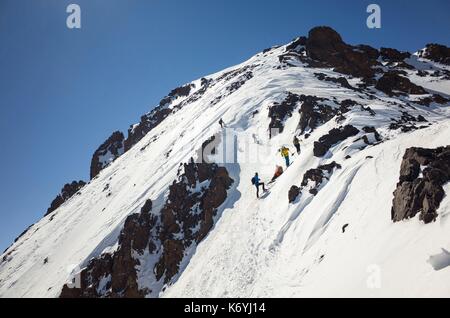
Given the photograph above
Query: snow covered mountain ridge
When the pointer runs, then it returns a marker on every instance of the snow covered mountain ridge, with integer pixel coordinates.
(361, 211)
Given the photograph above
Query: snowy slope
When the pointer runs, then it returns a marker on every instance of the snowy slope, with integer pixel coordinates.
(267, 247)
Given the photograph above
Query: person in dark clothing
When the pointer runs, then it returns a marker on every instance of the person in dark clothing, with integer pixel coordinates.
(256, 182)
(297, 144)
(221, 123)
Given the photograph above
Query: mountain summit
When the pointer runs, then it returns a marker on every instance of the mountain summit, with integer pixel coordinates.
(170, 210)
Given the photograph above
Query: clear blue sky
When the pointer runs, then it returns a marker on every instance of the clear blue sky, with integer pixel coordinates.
(62, 92)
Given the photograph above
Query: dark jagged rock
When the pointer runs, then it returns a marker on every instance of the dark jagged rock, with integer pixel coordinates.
(437, 53)
(318, 175)
(344, 227)
(186, 209)
(269, 49)
(372, 130)
(442, 74)
(239, 77)
(391, 83)
(396, 59)
(314, 178)
(7, 255)
(294, 192)
(393, 55)
(338, 80)
(109, 151)
(421, 119)
(406, 122)
(435, 98)
(316, 111)
(279, 112)
(67, 192)
(334, 136)
(297, 44)
(325, 46)
(313, 112)
(346, 105)
(186, 218)
(371, 52)
(119, 268)
(147, 123)
(181, 91)
(422, 73)
(423, 172)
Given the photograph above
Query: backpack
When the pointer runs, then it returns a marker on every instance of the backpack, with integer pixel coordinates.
(253, 181)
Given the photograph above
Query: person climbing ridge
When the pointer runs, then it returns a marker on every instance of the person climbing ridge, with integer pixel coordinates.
(297, 144)
(285, 154)
(221, 123)
(256, 182)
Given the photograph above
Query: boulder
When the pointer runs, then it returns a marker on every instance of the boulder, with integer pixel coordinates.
(314, 112)
(317, 176)
(109, 151)
(294, 192)
(436, 52)
(114, 274)
(333, 137)
(423, 172)
(326, 46)
(279, 112)
(66, 193)
(392, 84)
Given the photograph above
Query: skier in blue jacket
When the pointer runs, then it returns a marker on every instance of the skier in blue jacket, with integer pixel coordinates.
(256, 182)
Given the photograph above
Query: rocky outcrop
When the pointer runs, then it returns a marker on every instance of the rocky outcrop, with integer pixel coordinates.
(333, 137)
(436, 52)
(159, 242)
(392, 84)
(181, 91)
(279, 112)
(407, 122)
(313, 180)
(423, 172)
(152, 119)
(342, 81)
(393, 55)
(294, 192)
(69, 190)
(325, 48)
(314, 111)
(147, 123)
(188, 215)
(315, 177)
(115, 275)
(435, 98)
(169, 104)
(370, 130)
(109, 151)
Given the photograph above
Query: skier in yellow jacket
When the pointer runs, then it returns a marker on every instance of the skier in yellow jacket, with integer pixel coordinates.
(285, 154)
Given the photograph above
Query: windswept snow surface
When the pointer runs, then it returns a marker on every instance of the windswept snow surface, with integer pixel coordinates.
(266, 247)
